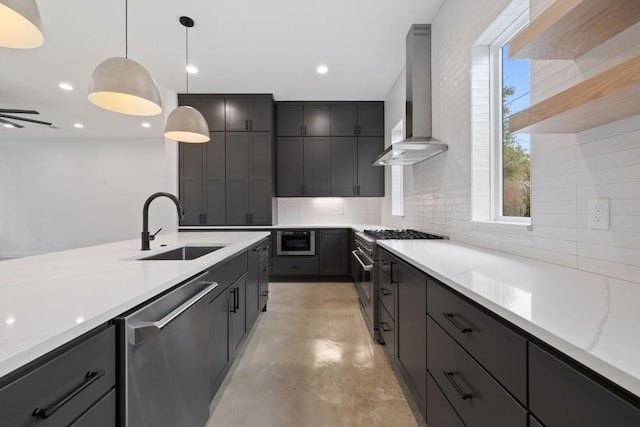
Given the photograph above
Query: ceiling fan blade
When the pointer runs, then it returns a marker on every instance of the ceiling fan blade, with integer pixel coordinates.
(11, 123)
(12, 111)
(9, 116)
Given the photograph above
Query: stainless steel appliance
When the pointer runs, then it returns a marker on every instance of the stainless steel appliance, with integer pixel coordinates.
(163, 354)
(365, 258)
(296, 242)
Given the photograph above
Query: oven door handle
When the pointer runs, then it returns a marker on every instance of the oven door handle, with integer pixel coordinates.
(364, 266)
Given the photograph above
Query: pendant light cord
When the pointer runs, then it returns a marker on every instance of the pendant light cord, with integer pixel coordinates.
(126, 28)
(186, 29)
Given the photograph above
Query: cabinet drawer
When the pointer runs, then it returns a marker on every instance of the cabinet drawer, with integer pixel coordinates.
(477, 397)
(295, 266)
(226, 274)
(560, 395)
(387, 329)
(102, 414)
(440, 413)
(385, 261)
(51, 383)
(387, 294)
(502, 351)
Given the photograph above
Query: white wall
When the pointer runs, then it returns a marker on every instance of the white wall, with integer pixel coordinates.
(566, 169)
(64, 193)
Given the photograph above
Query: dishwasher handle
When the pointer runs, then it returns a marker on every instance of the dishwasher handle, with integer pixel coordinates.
(364, 266)
(147, 330)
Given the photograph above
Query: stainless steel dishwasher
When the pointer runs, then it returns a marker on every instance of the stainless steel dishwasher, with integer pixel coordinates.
(163, 358)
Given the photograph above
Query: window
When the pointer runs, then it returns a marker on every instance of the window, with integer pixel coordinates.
(397, 197)
(500, 87)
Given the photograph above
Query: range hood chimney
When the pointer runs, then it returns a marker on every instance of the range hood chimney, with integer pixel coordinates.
(419, 145)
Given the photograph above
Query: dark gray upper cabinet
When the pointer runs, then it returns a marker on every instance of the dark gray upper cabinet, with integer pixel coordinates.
(316, 170)
(212, 107)
(344, 166)
(334, 252)
(303, 119)
(371, 119)
(202, 181)
(344, 119)
(289, 170)
(370, 178)
(249, 182)
(252, 113)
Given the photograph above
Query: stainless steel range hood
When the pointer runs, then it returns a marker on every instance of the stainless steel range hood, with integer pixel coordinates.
(419, 145)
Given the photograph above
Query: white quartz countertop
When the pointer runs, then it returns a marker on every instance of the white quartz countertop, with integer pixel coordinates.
(591, 318)
(48, 300)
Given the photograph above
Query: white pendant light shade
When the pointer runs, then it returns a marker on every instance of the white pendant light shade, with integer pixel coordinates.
(20, 24)
(186, 124)
(124, 86)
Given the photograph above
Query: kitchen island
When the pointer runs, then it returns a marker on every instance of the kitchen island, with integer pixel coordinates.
(48, 300)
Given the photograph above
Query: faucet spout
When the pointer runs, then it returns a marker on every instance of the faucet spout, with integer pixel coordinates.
(146, 237)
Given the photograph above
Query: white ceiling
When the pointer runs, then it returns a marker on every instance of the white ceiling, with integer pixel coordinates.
(239, 46)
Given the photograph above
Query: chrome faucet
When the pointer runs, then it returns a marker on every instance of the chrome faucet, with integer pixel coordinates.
(146, 237)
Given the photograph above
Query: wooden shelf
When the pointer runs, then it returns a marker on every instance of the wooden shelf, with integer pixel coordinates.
(569, 28)
(604, 98)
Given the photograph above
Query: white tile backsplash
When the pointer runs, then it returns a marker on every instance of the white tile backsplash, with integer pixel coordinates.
(329, 210)
(566, 169)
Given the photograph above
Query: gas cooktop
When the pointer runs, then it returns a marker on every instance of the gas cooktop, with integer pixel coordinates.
(401, 235)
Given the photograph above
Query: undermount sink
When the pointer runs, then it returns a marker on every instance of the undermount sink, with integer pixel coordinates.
(184, 253)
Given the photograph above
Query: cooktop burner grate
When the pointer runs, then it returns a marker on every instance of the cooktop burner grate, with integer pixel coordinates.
(401, 235)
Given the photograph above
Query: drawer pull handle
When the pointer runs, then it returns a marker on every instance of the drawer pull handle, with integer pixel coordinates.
(89, 378)
(451, 318)
(265, 293)
(385, 292)
(266, 269)
(449, 376)
(385, 326)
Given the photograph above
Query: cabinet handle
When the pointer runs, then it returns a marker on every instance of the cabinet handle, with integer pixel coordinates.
(257, 249)
(385, 326)
(451, 318)
(237, 300)
(265, 293)
(246, 125)
(89, 378)
(385, 292)
(234, 307)
(266, 269)
(449, 376)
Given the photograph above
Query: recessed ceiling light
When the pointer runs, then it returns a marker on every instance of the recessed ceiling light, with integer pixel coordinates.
(10, 321)
(192, 69)
(146, 125)
(10, 126)
(78, 125)
(322, 69)
(65, 86)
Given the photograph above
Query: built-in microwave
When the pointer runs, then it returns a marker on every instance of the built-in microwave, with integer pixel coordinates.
(296, 242)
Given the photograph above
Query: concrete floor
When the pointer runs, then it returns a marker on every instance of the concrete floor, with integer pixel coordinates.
(310, 361)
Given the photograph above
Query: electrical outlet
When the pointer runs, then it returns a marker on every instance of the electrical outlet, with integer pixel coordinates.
(599, 214)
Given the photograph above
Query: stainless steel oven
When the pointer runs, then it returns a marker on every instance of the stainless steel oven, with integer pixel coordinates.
(364, 281)
(296, 242)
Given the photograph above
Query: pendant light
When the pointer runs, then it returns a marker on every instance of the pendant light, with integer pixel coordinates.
(124, 86)
(20, 24)
(186, 124)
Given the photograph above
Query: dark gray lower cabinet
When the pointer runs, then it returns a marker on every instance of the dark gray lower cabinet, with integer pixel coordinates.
(220, 354)
(560, 395)
(440, 413)
(237, 294)
(102, 414)
(411, 327)
(295, 266)
(334, 252)
(69, 385)
(258, 272)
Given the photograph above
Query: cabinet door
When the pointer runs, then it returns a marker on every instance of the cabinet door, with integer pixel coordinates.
(219, 338)
(261, 116)
(317, 120)
(237, 178)
(289, 167)
(371, 119)
(238, 114)
(238, 311)
(260, 184)
(191, 192)
(370, 178)
(214, 180)
(344, 120)
(290, 119)
(344, 166)
(411, 326)
(334, 252)
(316, 176)
(210, 106)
